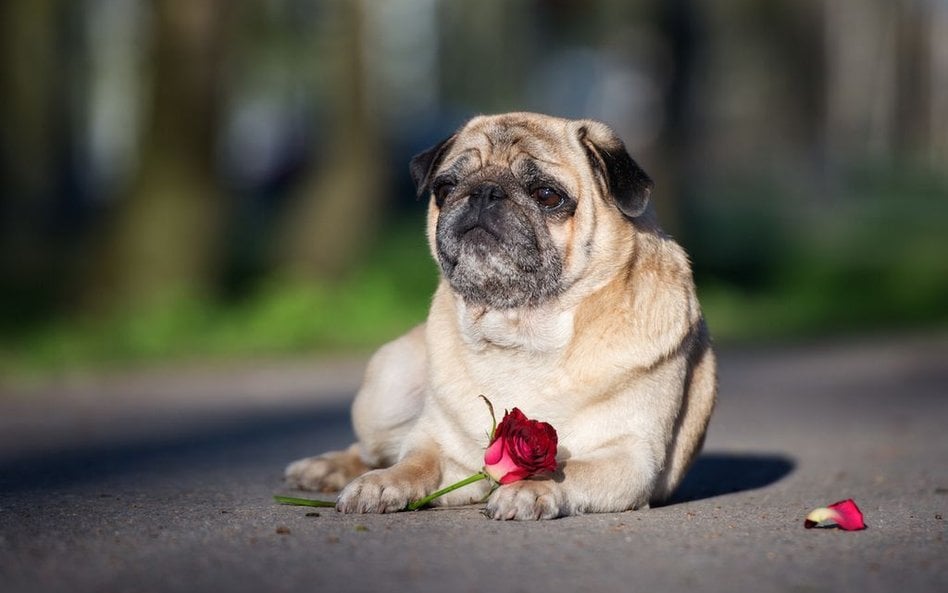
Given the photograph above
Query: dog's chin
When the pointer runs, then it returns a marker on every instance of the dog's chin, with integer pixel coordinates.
(486, 271)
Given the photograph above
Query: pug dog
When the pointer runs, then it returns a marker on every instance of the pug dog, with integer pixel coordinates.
(560, 295)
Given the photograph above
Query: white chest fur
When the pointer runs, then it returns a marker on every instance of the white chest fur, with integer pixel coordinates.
(515, 358)
(530, 330)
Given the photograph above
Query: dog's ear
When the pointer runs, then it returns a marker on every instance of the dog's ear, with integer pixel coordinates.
(621, 177)
(423, 165)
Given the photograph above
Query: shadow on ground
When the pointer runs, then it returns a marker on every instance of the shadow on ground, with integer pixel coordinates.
(237, 442)
(240, 443)
(714, 474)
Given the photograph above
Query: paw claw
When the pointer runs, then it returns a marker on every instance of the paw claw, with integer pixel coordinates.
(379, 491)
(524, 501)
(329, 472)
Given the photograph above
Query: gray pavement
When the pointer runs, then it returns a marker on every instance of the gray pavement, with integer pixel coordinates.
(162, 482)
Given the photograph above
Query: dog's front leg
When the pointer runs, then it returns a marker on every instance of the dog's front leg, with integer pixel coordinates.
(387, 490)
(613, 480)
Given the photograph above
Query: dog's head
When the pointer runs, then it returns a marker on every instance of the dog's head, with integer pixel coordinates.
(523, 206)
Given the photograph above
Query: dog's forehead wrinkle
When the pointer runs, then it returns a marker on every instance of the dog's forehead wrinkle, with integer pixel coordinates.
(501, 137)
(505, 139)
(456, 168)
(492, 172)
(465, 161)
(529, 169)
(532, 166)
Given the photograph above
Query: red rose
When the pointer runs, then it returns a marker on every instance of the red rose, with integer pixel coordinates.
(520, 448)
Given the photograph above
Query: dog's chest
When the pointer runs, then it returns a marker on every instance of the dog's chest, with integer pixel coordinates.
(535, 331)
(524, 359)
(515, 360)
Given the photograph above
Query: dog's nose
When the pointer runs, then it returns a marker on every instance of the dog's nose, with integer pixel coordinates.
(486, 195)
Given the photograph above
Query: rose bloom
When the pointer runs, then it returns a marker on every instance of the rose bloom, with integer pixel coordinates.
(520, 448)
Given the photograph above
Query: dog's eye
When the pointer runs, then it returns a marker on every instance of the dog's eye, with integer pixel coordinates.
(441, 193)
(548, 198)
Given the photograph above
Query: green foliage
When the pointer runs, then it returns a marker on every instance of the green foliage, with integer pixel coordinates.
(876, 262)
(869, 257)
(376, 302)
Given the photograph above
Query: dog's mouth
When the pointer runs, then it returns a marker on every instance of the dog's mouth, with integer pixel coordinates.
(476, 241)
(479, 234)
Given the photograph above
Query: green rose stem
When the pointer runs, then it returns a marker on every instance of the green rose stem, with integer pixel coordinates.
(304, 502)
(414, 506)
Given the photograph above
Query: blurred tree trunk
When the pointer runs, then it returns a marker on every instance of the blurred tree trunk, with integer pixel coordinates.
(887, 95)
(165, 241)
(337, 208)
(938, 71)
(861, 49)
(912, 85)
(29, 72)
(681, 22)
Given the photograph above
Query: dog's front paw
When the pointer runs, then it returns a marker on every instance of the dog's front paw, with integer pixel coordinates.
(329, 472)
(527, 500)
(380, 491)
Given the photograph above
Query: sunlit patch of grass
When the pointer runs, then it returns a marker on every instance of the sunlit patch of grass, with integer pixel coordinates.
(385, 297)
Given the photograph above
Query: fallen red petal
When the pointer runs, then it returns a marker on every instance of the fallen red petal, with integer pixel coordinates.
(850, 517)
(844, 513)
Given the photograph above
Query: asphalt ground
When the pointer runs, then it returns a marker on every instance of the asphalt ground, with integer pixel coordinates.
(162, 481)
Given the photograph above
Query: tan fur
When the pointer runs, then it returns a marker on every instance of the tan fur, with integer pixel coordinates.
(619, 362)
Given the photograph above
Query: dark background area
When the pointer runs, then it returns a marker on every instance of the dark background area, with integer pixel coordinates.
(218, 179)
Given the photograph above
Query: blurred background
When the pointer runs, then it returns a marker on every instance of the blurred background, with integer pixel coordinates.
(227, 179)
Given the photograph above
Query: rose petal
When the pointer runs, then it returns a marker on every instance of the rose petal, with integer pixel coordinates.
(844, 513)
(849, 515)
(504, 468)
(513, 476)
(493, 453)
